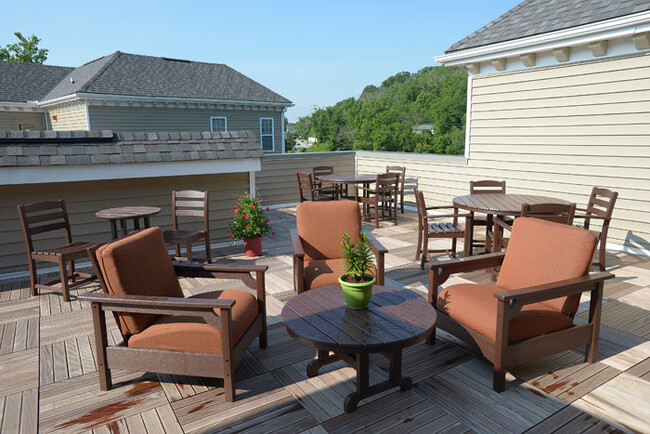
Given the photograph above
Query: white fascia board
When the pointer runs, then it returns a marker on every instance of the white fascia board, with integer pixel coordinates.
(610, 29)
(20, 105)
(105, 97)
(95, 172)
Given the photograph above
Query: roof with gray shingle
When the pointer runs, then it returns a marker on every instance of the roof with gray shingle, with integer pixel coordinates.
(534, 17)
(22, 82)
(136, 75)
(74, 148)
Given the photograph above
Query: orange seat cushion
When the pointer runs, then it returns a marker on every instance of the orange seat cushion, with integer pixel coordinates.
(475, 307)
(321, 226)
(323, 272)
(192, 334)
(138, 265)
(542, 252)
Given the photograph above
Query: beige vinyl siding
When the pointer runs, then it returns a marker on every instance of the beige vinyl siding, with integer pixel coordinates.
(557, 132)
(11, 120)
(69, 118)
(277, 182)
(174, 119)
(83, 199)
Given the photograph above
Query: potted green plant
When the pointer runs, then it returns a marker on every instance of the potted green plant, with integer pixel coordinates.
(359, 278)
(250, 224)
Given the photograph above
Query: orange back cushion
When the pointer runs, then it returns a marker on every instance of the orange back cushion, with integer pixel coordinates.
(321, 226)
(138, 265)
(541, 252)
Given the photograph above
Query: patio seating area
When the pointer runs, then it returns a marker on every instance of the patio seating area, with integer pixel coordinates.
(49, 380)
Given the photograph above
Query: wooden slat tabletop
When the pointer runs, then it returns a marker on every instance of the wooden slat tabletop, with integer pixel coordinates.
(501, 203)
(347, 178)
(395, 318)
(127, 212)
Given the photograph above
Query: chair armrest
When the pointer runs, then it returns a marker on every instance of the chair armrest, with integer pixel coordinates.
(296, 245)
(471, 263)
(376, 245)
(437, 216)
(207, 270)
(591, 216)
(553, 290)
(152, 304)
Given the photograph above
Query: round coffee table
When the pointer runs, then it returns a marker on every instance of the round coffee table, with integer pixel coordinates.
(395, 318)
(127, 212)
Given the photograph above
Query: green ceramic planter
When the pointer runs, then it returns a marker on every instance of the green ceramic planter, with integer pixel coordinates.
(357, 295)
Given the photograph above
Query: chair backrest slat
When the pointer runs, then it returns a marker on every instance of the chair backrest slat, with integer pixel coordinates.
(42, 206)
(318, 171)
(305, 184)
(555, 212)
(197, 207)
(487, 186)
(401, 170)
(601, 204)
(57, 215)
(32, 214)
(34, 230)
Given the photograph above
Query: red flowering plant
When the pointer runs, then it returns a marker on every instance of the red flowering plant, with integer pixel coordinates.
(249, 221)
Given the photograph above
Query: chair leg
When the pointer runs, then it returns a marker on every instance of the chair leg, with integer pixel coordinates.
(208, 253)
(499, 380)
(229, 387)
(188, 246)
(431, 339)
(64, 280)
(33, 277)
(376, 215)
(425, 252)
(401, 202)
(454, 242)
(602, 258)
(177, 247)
(419, 248)
(71, 268)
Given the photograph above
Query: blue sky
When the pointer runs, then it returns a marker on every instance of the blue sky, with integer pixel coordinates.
(314, 53)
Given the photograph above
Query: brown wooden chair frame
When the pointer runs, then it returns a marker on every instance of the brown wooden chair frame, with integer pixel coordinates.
(503, 355)
(175, 362)
(64, 255)
(486, 186)
(298, 254)
(603, 198)
(331, 190)
(306, 184)
(428, 230)
(382, 198)
(401, 170)
(189, 208)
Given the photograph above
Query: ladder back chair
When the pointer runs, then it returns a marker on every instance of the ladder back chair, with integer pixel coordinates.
(486, 186)
(316, 173)
(453, 230)
(600, 207)
(308, 190)
(402, 178)
(382, 198)
(49, 216)
(189, 203)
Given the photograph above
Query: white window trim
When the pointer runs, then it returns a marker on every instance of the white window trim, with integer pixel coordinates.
(272, 134)
(225, 122)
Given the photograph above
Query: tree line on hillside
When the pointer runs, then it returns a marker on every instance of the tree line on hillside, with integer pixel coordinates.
(386, 118)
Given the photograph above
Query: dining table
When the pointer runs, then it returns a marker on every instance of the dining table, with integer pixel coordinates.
(124, 213)
(349, 179)
(500, 204)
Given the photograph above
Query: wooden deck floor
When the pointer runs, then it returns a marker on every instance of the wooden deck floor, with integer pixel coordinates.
(48, 379)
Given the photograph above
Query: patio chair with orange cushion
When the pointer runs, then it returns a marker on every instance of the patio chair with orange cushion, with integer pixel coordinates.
(203, 335)
(316, 243)
(529, 313)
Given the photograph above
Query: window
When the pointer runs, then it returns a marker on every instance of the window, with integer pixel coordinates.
(266, 134)
(218, 124)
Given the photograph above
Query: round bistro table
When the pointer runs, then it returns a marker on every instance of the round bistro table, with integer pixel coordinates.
(500, 204)
(347, 179)
(394, 319)
(125, 213)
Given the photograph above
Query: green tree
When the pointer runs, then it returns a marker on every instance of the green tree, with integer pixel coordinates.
(24, 51)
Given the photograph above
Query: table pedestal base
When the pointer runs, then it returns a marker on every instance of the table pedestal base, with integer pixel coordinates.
(361, 363)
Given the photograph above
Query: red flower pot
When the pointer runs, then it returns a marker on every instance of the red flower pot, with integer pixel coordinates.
(253, 246)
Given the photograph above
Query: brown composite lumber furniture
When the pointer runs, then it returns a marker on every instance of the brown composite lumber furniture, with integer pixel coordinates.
(49, 216)
(529, 313)
(308, 190)
(382, 198)
(394, 319)
(163, 331)
(401, 170)
(189, 203)
(347, 179)
(125, 213)
(427, 228)
(317, 172)
(316, 243)
(485, 186)
(599, 208)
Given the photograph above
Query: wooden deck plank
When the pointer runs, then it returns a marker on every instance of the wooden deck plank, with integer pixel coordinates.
(168, 419)
(11, 417)
(29, 411)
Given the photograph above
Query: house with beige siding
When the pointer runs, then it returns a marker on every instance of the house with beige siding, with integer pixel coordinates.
(128, 92)
(559, 101)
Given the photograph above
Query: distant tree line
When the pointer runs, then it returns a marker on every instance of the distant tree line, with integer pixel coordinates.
(385, 118)
(25, 50)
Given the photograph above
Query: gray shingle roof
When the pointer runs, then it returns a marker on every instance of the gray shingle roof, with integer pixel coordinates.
(136, 75)
(534, 17)
(60, 148)
(22, 82)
